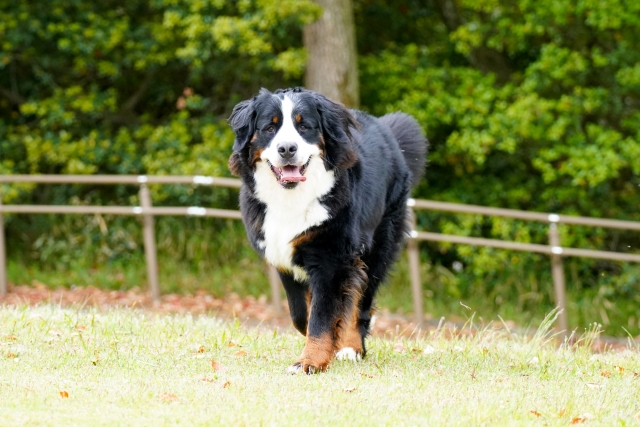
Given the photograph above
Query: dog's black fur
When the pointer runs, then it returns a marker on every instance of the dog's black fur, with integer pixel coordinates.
(375, 162)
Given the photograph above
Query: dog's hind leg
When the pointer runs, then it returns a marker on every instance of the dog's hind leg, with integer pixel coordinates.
(350, 343)
(388, 239)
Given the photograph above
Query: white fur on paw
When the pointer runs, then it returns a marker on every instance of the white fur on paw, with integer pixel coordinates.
(374, 318)
(348, 353)
(296, 368)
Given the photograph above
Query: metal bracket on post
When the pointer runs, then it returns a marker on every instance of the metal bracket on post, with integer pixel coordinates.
(274, 282)
(150, 244)
(557, 270)
(414, 267)
(3, 255)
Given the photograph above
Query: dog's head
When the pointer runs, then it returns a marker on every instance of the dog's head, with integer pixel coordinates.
(289, 132)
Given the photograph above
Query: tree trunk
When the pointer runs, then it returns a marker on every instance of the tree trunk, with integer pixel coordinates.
(332, 67)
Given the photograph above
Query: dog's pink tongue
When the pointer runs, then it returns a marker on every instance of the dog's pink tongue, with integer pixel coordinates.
(292, 174)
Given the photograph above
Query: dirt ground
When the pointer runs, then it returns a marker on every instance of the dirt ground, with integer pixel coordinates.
(251, 311)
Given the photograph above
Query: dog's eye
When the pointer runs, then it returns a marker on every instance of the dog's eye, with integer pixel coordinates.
(270, 129)
(302, 128)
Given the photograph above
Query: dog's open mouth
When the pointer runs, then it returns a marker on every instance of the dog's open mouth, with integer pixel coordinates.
(289, 174)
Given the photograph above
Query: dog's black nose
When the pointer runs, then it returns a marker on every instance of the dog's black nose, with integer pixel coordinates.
(287, 150)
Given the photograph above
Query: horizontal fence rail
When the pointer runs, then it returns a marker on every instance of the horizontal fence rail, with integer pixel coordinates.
(525, 215)
(117, 210)
(148, 212)
(123, 179)
(526, 247)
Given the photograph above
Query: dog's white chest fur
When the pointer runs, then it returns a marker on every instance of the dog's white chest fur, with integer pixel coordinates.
(290, 212)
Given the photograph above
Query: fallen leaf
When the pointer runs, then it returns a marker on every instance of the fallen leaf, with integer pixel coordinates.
(536, 413)
(582, 418)
(64, 394)
(168, 397)
(201, 349)
(80, 328)
(416, 350)
(231, 344)
(619, 369)
(606, 374)
(11, 355)
(562, 412)
(226, 385)
(241, 353)
(11, 337)
(350, 389)
(208, 380)
(216, 366)
(473, 374)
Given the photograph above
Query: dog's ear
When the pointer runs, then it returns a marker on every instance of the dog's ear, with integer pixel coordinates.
(337, 123)
(242, 121)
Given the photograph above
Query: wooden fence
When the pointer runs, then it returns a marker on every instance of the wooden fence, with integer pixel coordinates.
(147, 211)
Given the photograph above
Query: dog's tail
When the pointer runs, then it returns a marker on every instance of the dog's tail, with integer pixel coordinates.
(413, 143)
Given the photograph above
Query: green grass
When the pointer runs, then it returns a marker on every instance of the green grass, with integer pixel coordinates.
(125, 367)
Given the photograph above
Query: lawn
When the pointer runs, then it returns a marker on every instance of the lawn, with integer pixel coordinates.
(68, 367)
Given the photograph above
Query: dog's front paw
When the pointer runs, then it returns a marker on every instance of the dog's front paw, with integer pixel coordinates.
(307, 366)
(349, 353)
(294, 369)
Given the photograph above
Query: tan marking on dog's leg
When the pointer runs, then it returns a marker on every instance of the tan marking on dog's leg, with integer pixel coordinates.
(350, 340)
(349, 337)
(316, 355)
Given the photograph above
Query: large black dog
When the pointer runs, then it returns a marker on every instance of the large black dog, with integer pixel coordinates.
(323, 199)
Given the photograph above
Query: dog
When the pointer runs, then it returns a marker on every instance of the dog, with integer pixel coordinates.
(323, 199)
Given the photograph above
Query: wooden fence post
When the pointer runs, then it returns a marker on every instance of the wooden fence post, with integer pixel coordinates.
(414, 267)
(3, 255)
(557, 270)
(150, 244)
(274, 282)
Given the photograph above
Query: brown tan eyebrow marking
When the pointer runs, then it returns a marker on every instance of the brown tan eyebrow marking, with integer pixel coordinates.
(275, 119)
(298, 118)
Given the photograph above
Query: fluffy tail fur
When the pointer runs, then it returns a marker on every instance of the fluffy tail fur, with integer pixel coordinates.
(413, 143)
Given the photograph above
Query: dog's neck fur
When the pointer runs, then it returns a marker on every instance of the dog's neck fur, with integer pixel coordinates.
(290, 213)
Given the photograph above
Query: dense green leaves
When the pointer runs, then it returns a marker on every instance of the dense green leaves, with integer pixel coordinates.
(136, 87)
(534, 106)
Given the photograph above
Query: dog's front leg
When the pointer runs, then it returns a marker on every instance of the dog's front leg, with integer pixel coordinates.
(335, 294)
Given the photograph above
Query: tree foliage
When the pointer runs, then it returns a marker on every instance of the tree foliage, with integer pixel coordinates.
(528, 105)
(140, 86)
